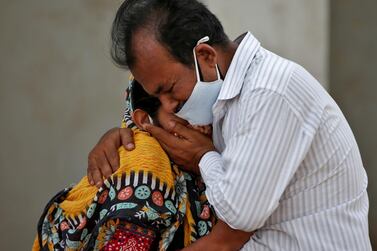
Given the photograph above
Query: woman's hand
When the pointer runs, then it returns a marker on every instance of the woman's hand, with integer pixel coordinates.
(103, 159)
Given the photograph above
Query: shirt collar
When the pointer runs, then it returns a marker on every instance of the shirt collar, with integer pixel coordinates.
(237, 70)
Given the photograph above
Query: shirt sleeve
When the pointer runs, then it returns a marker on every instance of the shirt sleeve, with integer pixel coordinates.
(245, 182)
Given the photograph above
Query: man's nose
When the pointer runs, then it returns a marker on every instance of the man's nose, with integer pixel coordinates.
(168, 103)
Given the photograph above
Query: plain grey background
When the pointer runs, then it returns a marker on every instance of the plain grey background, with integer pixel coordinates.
(59, 91)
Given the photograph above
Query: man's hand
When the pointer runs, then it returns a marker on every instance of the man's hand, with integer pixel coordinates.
(103, 159)
(221, 238)
(184, 145)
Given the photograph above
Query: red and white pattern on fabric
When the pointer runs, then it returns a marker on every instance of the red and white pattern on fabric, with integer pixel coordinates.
(126, 240)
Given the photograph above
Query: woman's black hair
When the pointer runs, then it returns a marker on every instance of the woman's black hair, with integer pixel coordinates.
(176, 24)
(140, 99)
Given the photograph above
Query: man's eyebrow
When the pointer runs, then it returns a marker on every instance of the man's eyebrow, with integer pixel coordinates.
(158, 90)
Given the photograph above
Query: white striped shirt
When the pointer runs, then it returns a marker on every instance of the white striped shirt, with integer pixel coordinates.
(287, 164)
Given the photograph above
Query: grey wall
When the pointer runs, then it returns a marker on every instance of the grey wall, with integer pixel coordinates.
(353, 81)
(59, 92)
(295, 29)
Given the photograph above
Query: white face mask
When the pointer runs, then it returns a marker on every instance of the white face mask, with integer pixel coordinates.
(198, 108)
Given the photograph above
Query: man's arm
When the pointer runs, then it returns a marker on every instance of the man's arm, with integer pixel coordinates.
(245, 182)
(103, 159)
(221, 238)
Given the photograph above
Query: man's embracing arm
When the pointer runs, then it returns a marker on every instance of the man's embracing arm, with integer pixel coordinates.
(221, 238)
(245, 182)
(103, 159)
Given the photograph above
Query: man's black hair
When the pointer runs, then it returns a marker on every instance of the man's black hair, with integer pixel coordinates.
(140, 99)
(176, 24)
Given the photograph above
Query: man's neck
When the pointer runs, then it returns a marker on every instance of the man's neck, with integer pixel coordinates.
(239, 39)
(227, 54)
(226, 57)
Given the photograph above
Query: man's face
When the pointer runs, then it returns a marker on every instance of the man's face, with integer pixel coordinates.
(161, 75)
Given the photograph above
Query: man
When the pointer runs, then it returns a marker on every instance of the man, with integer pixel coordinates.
(283, 162)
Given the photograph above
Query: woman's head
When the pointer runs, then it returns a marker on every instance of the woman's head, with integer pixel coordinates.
(147, 109)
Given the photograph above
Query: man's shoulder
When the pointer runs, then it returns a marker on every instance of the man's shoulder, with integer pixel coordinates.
(269, 71)
(273, 73)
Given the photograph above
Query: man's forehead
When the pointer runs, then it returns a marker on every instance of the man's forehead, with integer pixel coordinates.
(152, 64)
(147, 48)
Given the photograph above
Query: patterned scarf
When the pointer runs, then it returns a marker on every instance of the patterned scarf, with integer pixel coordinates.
(147, 204)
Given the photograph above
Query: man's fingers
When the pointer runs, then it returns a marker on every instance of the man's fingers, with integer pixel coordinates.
(165, 147)
(161, 135)
(127, 137)
(112, 156)
(177, 128)
(90, 178)
(90, 170)
(97, 177)
(105, 167)
(104, 157)
(94, 173)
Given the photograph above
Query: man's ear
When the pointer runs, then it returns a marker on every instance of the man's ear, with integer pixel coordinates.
(140, 118)
(207, 60)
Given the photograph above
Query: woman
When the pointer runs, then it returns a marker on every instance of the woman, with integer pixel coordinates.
(147, 204)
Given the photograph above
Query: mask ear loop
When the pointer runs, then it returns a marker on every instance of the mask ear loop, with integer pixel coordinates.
(202, 40)
(150, 120)
(218, 72)
(130, 86)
